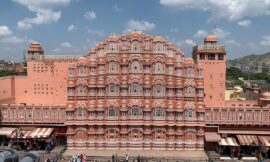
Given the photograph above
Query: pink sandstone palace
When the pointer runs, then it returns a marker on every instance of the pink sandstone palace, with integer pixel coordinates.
(132, 91)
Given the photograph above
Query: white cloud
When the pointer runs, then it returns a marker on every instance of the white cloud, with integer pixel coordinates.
(66, 47)
(4, 31)
(185, 43)
(7, 36)
(220, 33)
(96, 32)
(200, 34)
(12, 39)
(232, 42)
(44, 10)
(265, 41)
(66, 44)
(174, 30)
(117, 9)
(71, 28)
(133, 25)
(244, 23)
(232, 10)
(91, 15)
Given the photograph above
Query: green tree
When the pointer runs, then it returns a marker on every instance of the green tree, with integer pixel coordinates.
(7, 73)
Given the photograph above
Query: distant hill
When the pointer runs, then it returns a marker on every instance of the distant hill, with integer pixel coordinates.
(251, 61)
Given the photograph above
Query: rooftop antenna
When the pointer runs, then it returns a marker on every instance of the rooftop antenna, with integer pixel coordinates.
(24, 55)
(215, 22)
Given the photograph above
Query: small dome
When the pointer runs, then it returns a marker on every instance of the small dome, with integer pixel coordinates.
(159, 39)
(35, 43)
(210, 38)
(82, 59)
(266, 95)
(71, 82)
(112, 37)
(135, 34)
(189, 60)
(35, 47)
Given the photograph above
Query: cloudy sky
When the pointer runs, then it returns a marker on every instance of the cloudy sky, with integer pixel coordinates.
(73, 26)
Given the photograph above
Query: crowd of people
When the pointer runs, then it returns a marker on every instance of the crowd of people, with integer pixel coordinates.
(115, 158)
(76, 158)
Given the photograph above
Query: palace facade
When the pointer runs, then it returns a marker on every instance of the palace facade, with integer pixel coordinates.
(135, 91)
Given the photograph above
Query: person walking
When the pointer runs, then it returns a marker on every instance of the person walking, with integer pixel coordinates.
(139, 158)
(113, 158)
(126, 160)
(84, 158)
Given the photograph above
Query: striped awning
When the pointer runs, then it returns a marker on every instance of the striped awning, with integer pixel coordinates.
(6, 131)
(24, 134)
(248, 140)
(265, 140)
(41, 133)
(21, 134)
(229, 141)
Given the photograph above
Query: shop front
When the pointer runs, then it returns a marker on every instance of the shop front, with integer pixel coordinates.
(35, 139)
(249, 147)
(229, 148)
(211, 145)
(265, 144)
(5, 133)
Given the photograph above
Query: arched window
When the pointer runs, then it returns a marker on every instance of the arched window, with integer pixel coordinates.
(135, 47)
(159, 47)
(190, 136)
(135, 111)
(200, 74)
(82, 70)
(159, 90)
(113, 47)
(159, 68)
(135, 66)
(159, 112)
(189, 72)
(81, 90)
(71, 71)
(111, 112)
(190, 114)
(189, 91)
(135, 89)
(112, 67)
(112, 88)
(81, 112)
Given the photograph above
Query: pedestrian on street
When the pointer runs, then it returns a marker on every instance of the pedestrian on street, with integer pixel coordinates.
(84, 158)
(139, 159)
(113, 158)
(126, 158)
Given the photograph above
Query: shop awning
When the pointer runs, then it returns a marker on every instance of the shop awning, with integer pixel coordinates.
(41, 132)
(265, 140)
(247, 132)
(6, 131)
(21, 134)
(212, 137)
(248, 140)
(229, 141)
